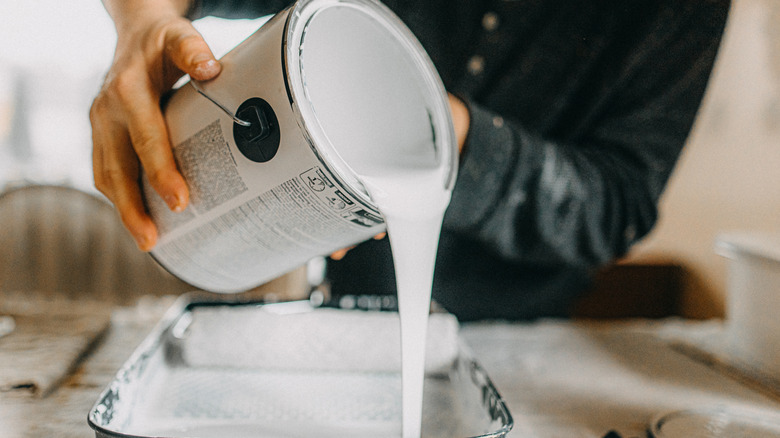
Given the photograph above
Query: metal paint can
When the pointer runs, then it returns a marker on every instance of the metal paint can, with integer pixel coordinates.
(327, 87)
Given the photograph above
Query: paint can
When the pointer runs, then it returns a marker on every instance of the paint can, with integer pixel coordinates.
(326, 87)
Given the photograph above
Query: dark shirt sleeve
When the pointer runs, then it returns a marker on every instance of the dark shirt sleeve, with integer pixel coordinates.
(585, 202)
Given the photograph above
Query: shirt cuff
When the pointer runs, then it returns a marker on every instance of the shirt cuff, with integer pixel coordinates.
(485, 167)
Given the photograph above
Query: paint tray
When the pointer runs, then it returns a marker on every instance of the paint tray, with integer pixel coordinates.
(216, 368)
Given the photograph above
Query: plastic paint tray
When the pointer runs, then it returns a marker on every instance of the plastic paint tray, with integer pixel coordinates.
(204, 372)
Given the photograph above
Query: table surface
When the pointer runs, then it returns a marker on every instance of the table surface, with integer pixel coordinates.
(559, 378)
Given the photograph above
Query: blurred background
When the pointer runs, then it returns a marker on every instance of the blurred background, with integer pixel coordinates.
(728, 178)
(54, 54)
(53, 58)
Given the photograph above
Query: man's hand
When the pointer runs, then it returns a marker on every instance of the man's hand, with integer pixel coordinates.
(460, 119)
(155, 47)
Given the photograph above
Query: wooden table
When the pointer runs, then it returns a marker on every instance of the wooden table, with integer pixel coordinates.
(62, 413)
(585, 379)
(560, 379)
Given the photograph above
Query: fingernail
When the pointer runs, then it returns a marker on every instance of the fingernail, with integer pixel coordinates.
(143, 243)
(174, 203)
(201, 57)
(205, 66)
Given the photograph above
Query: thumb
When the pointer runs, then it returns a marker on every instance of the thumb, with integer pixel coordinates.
(189, 52)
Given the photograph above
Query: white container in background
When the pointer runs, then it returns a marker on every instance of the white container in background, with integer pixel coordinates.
(753, 303)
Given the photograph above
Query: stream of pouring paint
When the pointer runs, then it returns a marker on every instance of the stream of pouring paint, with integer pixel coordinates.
(413, 200)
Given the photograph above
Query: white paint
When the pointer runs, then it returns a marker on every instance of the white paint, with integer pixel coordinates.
(377, 112)
(372, 95)
(412, 201)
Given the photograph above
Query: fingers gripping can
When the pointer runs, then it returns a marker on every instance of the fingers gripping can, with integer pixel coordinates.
(327, 87)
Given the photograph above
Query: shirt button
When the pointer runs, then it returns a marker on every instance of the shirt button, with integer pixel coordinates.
(490, 21)
(630, 234)
(476, 65)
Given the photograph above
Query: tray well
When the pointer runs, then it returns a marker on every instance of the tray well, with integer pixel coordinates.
(290, 370)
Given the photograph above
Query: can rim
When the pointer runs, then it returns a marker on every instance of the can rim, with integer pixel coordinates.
(300, 15)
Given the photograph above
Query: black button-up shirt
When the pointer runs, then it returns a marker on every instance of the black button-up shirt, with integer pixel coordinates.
(579, 110)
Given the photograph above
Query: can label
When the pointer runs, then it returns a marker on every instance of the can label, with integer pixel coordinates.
(237, 232)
